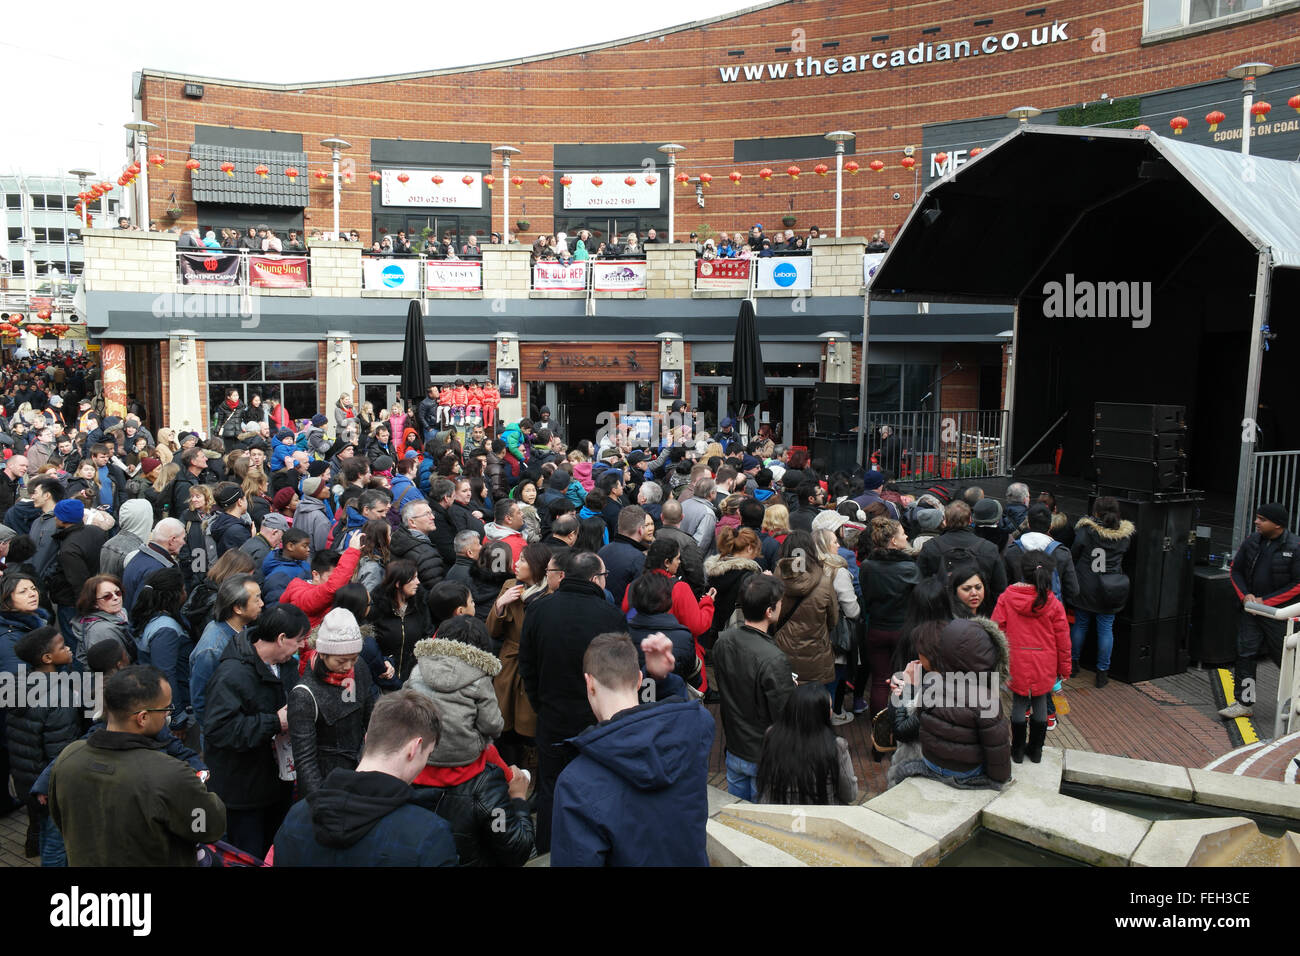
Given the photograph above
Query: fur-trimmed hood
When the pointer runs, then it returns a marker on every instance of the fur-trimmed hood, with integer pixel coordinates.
(448, 666)
(715, 565)
(1126, 529)
(961, 654)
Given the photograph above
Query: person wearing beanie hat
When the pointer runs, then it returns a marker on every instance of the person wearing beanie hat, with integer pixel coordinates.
(285, 502)
(319, 421)
(313, 514)
(79, 545)
(1266, 570)
(872, 483)
(986, 521)
(231, 528)
(70, 511)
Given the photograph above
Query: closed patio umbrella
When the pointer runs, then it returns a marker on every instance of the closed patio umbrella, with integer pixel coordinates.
(748, 386)
(415, 357)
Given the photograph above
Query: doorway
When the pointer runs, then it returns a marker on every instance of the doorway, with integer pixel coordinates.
(582, 408)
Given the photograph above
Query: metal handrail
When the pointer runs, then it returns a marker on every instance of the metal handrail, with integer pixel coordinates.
(1287, 713)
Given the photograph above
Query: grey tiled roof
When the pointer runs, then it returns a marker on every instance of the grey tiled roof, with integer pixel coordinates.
(246, 188)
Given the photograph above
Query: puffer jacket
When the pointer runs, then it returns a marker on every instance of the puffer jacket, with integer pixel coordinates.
(809, 612)
(36, 735)
(495, 472)
(1038, 639)
(417, 547)
(1114, 543)
(98, 626)
(962, 738)
(582, 474)
(887, 580)
(327, 724)
(727, 575)
(459, 678)
(1282, 575)
(490, 827)
(230, 533)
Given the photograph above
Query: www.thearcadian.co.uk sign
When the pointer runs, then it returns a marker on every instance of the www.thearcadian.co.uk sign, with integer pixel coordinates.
(809, 66)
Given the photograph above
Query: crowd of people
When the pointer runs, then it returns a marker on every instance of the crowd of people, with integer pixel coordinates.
(424, 639)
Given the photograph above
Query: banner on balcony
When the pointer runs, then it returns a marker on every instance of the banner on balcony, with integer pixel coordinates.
(453, 276)
(726, 275)
(209, 268)
(870, 266)
(277, 272)
(793, 272)
(612, 193)
(419, 189)
(618, 276)
(554, 277)
(391, 274)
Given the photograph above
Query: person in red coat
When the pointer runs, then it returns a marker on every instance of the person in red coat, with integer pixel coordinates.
(329, 572)
(1038, 634)
(665, 557)
(459, 399)
(491, 400)
(474, 402)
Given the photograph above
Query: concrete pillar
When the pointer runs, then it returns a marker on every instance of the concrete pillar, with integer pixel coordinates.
(511, 409)
(339, 378)
(672, 357)
(184, 400)
(112, 357)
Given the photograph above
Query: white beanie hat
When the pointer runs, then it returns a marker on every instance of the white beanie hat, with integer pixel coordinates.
(338, 634)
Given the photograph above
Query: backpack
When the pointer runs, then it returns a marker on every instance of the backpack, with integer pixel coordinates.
(950, 557)
(1056, 574)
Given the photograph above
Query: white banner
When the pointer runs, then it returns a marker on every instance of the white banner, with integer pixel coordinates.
(618, 276)
(612, 193)
(560, 278)
(870, 266)
(454, 276)
(391, 273)
(420, 190)
(785, 272)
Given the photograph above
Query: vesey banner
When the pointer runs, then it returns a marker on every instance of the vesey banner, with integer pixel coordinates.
(453, 276)
(794, 272)
(209, 268)
(277, 272)
(390, 273)
(628, 276)
(726, 275)
(560, 278)
(870, 266)
(612, 193)
(420, 189)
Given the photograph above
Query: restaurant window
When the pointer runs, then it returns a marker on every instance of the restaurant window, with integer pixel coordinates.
(293, 383)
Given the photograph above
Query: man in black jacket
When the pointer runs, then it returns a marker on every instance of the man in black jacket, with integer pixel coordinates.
(442, 495)
(692, 566)
(624, 556)
(230, 416)
(427, 413)
(413, 542)
(812, 498)
(754, 678)
(245, 709)
(556, 632)
(1266, 570)
(77, 560)
(958, 542)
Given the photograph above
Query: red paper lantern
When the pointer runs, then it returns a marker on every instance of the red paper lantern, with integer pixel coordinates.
(851, 168)
(375, 177)
(651, 180)
(228, 168)
(941, 158)
(106, 188)
(261, 170)
(488, 180)
(321, 176)
(1294, 102)
(435, 179)
(735, 176)
(975, 152)
(683, 178)
(876, 165)
(158, 160)
(292, 173)
(133, 169)
(706, 178)
(545, 181)
(467, 179)
(192, 164)
(792, 171)
(403, 178)
(821, 169)
(1260, 110)
(565, 181)
(907, 162)
(517, 181)
(121, 180)
(597, 181)
(631, 181)
(1214, 118)
(43, 315)
(1178, 124)
(347, 176)
(765, 174)
(1142, 128)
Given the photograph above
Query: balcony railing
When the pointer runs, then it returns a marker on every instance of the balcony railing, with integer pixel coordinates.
(967, 443)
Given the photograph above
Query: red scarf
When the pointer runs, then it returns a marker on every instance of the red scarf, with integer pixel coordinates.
(454, 776)
(304, 660)
(232, 403)
(338, 680)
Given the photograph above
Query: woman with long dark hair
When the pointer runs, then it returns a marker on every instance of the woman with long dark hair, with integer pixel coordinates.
(803, 760)
(593, 533)
(888, 576)
(505, 625)
(164, 640)
(400, 615)
(494, 567)
(966, 589)
(1102, 594)
(374, 553)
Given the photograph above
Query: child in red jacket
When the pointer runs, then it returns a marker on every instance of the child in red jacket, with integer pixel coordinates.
(491, 399)
(1038, 634)
(474, 404)
(459, 399)
(444, 405)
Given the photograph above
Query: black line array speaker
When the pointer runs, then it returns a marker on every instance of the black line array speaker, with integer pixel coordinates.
(1216, 613)
(837, 452)
(1139, 448)
(835, 408)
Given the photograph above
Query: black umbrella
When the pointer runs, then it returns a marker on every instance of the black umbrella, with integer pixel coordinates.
(748, 386)
(415, 358)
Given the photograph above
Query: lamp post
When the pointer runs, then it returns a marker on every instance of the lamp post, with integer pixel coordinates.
(1247, 73)
(505, 152)
(671, 150)
(1024, 114)
(83, 175)
(142, 129)
(838, 137)
(334, 145)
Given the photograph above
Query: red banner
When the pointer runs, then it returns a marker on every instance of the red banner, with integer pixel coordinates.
(277, 272)
(723, 274)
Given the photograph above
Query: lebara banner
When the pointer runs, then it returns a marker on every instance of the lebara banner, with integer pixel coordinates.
(453, 276)
(618, 276)
(555, 277)
(794, 272)
(870, 266)
(209, 268)
(390, 273)
(277, 272)
(726, 275)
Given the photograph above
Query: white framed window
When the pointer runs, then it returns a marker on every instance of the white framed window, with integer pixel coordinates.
(1164, 16)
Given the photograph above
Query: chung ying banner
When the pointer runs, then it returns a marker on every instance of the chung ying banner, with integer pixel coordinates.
(210, 268)
(277, 272)
(618, 276)
(722, 274)
(560, 278)
(453, 276)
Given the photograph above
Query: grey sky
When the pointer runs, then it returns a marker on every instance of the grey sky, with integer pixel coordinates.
(68, 106)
